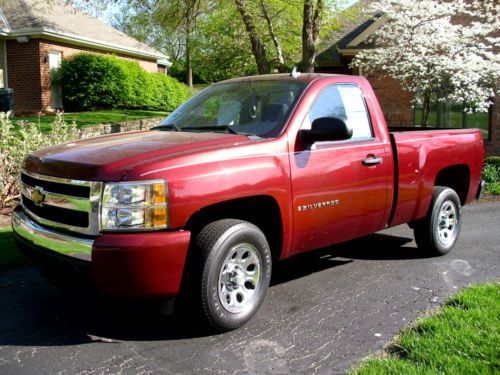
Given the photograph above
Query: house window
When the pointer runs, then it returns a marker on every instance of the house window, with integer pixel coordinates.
(55, 58)
(450, 115)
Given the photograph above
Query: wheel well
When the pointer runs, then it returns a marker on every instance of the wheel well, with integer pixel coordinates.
(456, 177)
(262, 211)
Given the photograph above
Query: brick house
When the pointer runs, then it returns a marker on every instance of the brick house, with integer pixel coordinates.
(396, 103)
(35, 35)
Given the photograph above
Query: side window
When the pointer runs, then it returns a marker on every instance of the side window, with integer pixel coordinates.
(346, 102)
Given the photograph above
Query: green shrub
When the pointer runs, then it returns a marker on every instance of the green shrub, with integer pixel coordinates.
(92, 82)
(16, 144)
(492, 160)
(491, 174)
(494, 188)
(491, 170)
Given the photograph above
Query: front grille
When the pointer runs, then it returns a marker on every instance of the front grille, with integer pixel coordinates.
(54, 187)
(56, 214)
(61, 203)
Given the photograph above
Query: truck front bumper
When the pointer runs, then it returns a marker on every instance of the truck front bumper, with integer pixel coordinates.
(147, 264)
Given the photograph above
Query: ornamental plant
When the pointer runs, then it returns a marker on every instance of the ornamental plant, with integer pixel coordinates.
(91, 82)
(491, 174)
(440, 47)
(20, 140)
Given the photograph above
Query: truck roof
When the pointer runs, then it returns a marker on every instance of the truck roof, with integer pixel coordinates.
(304, 77)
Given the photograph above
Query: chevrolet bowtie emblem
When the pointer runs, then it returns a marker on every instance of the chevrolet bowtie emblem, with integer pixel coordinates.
(37, 196)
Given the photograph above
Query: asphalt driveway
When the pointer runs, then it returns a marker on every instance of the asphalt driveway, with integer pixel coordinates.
(324, 312)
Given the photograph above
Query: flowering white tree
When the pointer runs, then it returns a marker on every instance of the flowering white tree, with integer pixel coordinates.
(446, 48)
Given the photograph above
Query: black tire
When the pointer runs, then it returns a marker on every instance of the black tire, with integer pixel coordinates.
(438, 232)
(232, 252)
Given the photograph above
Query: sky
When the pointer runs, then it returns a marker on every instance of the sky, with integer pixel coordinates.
(104, 10)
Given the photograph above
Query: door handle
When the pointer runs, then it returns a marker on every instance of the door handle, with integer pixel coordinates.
(372, 160)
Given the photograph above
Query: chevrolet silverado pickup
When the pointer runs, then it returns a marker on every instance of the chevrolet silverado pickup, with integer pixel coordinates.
(247, 172)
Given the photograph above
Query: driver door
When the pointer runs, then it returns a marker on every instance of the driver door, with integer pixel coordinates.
(338, 192)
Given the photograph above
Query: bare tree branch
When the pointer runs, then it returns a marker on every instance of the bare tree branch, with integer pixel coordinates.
(274, 37)
(258, 48)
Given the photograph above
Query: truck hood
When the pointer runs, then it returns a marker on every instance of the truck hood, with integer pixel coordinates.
(107, 158)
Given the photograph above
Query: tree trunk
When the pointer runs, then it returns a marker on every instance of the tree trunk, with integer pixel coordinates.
(258, 49)
(464, 116)
(310, 33)
(439, 113)
(189, 65)
(446, 115)
(308, 50)
(425, 109)
(274, 37)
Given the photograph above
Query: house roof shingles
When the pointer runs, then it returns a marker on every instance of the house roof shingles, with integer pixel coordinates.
(60, 18)
(341, 38)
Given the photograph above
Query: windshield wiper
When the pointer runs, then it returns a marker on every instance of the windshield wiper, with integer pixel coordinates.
(226, 128)
(166, 127)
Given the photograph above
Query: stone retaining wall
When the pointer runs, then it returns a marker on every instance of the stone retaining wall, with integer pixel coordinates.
(120, 127)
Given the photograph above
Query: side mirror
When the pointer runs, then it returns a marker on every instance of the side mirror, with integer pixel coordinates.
(326, 129)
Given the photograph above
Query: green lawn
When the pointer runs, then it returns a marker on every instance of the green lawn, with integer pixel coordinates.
(463, 337)
(200, 86)
(474, 120)
(10, 257)
(84, 119)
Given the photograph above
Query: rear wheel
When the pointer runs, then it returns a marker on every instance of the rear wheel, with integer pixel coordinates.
(438, 232)
(236, 270)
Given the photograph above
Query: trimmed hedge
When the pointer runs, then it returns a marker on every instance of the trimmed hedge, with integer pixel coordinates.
(91, 82)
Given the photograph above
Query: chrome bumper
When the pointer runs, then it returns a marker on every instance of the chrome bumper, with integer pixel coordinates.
(26, 228)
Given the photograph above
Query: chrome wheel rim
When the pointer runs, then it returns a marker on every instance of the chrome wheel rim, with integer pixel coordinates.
(447, 223)
(240, 278)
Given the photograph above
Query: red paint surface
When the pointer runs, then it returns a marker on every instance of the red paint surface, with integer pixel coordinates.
(421, 155)
(140, 264)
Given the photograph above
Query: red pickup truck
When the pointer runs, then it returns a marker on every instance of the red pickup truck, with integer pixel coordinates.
(247, 172)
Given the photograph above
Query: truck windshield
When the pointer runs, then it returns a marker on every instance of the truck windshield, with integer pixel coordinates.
(258, 108)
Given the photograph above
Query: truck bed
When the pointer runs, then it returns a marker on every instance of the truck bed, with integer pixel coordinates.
(426, 158)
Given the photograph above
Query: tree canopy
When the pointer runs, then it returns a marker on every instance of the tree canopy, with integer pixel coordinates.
(227, 38)
(441, 48)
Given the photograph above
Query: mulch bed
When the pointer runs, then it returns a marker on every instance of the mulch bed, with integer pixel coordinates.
(488, 198)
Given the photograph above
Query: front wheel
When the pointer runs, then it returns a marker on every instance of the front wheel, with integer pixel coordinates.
(236, 271)
(438, 232)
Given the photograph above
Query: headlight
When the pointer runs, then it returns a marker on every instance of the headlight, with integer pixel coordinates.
(134, 205)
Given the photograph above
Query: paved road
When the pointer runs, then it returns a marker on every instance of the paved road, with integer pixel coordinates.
(324, 312)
